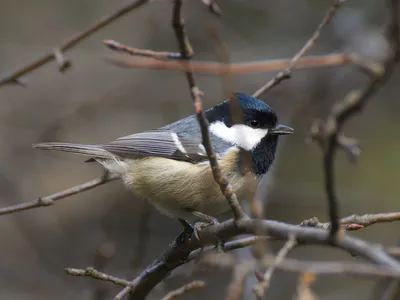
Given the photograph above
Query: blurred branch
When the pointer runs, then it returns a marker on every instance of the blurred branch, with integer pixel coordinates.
(116, 46)
(50, 199)
(355, 222)
(353, 103)
(194, 285)
(57, 54)
(285, 74)
(101, 258)
(261, 287)
(303, 290)
(209, 67)
(240, 273)
(93, 273)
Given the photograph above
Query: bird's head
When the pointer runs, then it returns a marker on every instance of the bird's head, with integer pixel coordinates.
(259, 125)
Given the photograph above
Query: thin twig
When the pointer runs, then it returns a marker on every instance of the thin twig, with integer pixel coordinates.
(117, 46)
(50, 199)
(210, 67)
(70, 43)
(194, 285)
(93, 273)
(303, 290)
(261, 287)
(187, 52)
(353, 103)
(134, 283)
(285, 74)
(228, 87)
(240, 273)
(355, 222)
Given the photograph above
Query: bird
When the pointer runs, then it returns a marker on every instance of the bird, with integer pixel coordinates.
(169, 165)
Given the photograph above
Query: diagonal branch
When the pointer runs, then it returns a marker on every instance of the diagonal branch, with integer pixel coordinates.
(91, 272)
(50, 199)
(187, 52)
(194, 285)
(261, 287)
(70, 43)
(285, 74)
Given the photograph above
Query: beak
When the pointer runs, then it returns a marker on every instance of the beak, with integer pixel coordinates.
(281, 130)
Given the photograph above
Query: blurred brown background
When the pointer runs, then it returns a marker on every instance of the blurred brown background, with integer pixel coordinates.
(95, 101)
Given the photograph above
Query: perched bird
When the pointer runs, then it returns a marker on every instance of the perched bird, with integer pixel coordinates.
(169, 166)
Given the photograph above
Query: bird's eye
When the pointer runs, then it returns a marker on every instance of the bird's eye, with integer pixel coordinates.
(254, 123)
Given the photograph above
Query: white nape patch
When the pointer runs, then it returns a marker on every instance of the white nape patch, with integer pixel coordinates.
(177, 142)
(241, 135)
(114, 165)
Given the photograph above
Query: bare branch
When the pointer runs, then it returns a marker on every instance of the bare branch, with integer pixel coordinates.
(50, 199)
(194, 285)
(187, 52)
(91, 272)
(355, 222)
(70, 43)
(352, 104)
(179, 251)
(285, 74)
(330, 268)
(304, 291)
(304, 235)
(240, 273)
(209, 67)
(116, 46)
(261, 287)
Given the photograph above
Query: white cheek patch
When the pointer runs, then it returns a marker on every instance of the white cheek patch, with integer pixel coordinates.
(241, 135)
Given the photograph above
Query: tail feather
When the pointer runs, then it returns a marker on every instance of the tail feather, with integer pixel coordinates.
(87, 150)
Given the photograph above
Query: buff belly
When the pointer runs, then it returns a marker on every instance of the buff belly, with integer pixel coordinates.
(176, 188)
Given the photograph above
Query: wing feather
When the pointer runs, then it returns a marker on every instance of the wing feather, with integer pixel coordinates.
(159, 143)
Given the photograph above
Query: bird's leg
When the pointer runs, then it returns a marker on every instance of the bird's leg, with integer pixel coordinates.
(187, 227)
(187, 232)
(206, 220)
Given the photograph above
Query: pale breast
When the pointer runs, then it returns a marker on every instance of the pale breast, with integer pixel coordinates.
(175, 186)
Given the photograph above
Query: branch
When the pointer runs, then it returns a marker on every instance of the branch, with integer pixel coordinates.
(116, 46)
(187, 52)
(186, 248)
(240, 273)
(285, 74)
(50, 199)
(179, 252)
(353, 103)
(303, 235)
(355, 222)
(91, 272)
(303, 290)
(194, 285)
(209, 67)
(261, 288)
(73, 41)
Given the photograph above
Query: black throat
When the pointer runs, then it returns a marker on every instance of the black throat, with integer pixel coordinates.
(262, 156)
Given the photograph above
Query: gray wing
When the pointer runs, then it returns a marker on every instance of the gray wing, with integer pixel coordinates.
(158, 143)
